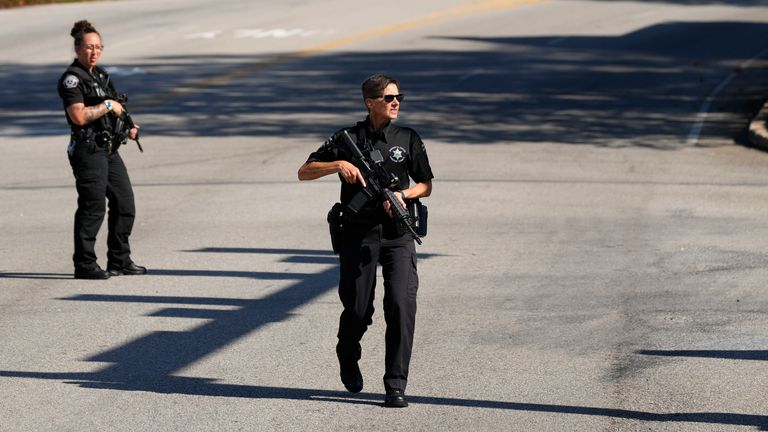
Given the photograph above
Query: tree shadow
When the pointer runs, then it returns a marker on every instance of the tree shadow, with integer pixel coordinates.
(151, 362)
(210, 388)
(644, 88)
(736, 3)
(34, 275)
(155, 356)
(718, 354)
(297, 255)
(294, 256)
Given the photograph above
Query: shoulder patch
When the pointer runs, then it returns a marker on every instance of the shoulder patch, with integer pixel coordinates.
(70, 81)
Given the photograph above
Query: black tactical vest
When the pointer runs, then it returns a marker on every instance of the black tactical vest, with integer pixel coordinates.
(96, 89)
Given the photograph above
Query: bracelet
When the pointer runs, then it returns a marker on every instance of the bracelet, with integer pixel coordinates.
(403, 194)
(108, 105)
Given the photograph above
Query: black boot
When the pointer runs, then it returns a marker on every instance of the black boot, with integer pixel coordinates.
(94, 273)
(130, 269)
(395, 399)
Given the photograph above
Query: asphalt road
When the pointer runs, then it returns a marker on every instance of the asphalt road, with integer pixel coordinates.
(596, 258)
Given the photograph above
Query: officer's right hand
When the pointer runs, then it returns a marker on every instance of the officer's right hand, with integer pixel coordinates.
(350, 173)
(117, 107)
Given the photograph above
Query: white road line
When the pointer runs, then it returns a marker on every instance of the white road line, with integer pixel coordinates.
(701, 117)
(119, 71)
(277, 33)
(204, 35)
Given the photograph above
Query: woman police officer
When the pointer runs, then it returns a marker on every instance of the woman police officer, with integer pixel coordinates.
(371, 236)
(98, 169)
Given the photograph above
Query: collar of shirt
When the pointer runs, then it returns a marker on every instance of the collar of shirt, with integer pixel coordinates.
(377, 135)
(79, 65)
(98, 72)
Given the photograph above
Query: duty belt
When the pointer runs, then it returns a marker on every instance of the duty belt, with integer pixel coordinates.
(92, 139)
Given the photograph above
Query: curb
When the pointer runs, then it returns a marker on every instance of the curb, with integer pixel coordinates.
(758, 133)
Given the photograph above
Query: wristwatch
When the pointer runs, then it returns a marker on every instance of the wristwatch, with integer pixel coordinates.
(108, 103)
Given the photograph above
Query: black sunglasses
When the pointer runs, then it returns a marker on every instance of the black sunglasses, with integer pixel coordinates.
(390, 98)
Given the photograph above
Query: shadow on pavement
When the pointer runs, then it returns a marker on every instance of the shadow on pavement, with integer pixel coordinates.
(153, 358)
(207, 387)
(718, 354)
(744, 3)
(643, 88)
(43, 275)
(150, 362)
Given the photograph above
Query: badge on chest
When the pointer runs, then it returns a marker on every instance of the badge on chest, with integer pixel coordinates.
(397, 154)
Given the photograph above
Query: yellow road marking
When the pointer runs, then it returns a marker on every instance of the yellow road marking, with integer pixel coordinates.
(467, 9)
(473, 8)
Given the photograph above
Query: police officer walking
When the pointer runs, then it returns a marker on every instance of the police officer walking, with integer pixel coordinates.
(371, 236)
(92, 112)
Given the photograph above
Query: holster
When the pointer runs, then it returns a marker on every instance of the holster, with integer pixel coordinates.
(85, 139)
(104, 139)
(418, 213)
(335, 226)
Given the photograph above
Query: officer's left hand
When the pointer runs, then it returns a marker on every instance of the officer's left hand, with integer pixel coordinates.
(388, 206)
(134, 132)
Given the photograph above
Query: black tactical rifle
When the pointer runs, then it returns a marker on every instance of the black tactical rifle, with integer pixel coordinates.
(123, 125)
(380, 184)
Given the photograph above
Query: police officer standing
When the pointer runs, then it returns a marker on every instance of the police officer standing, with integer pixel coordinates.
(91, 110)
(371, 236)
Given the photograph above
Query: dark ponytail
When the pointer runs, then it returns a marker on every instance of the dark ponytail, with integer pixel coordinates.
(80, 29)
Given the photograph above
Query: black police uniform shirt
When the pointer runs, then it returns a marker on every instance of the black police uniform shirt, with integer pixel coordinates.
(84, 87)
(404, 156)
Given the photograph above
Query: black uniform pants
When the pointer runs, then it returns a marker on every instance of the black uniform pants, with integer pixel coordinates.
(361, 249)
(100, 176)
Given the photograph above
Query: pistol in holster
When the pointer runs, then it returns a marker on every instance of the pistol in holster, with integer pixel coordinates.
(335, 226)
